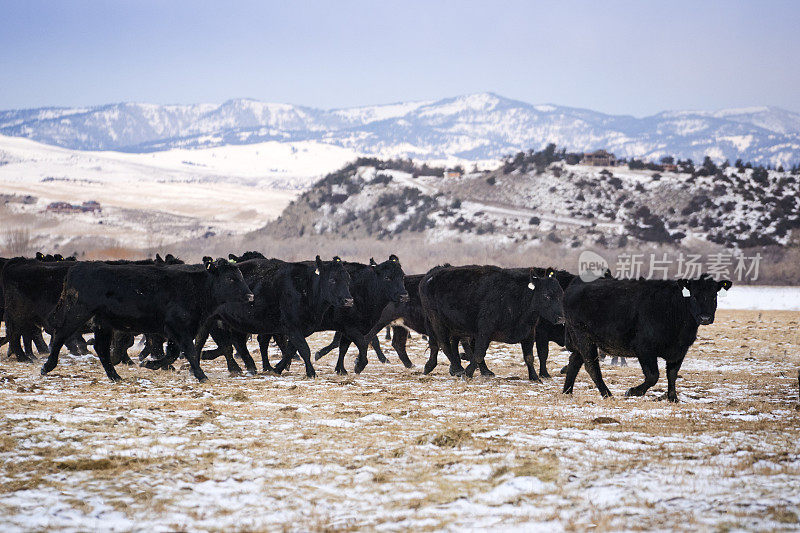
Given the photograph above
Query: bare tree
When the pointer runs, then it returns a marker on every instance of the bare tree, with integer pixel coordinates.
(18, 241)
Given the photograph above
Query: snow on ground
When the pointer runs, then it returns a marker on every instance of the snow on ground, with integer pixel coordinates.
(759, 297)
(392, 449)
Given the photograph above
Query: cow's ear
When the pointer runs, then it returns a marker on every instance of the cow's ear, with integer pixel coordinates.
(232, 257)
(724, 285)
(318, 261)
(607, 274)
(158, 259)
(372, 262)
(208, 261)
(39, 256)
(394, 259)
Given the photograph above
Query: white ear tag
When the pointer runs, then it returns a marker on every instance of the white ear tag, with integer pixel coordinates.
(722, 293)
(316, 272)
(531, 286)
(685, 292)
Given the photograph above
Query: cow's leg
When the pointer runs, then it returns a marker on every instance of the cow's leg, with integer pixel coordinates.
(38, 340)
(337, 338)
(187, 347)
(376, 345)
(240, 342)
(593, 368)
(443, 340)
(27, 339)
(287, 353)
(263, 347)
(285, 347)
(672, 375)
(433, 358)
(147, 350)
(225, 342)
(14, 334)
(388, 335)
(299, 342)
(469, 349)
(650, 370)
(478, 353)
(623, 361)
(572, 369)
(102, 346)
(124, 342)
(119, 344)
(362, 344)
(83, 345)
(399, 339)
(527, 355)
(344, 344)
(542, 351)
(71, 318)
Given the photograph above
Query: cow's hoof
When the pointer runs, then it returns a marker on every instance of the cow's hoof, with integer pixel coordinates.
(115, 379)
(24, 359)
(202, 379)
(252, 372)
(383, 360)
(408, 364)
(428, 368)
(360, 366)
(311, 373)
(318, 355)
(545, 374)
(632, 392)
(341, 371)
(457, 371)
(564, 370)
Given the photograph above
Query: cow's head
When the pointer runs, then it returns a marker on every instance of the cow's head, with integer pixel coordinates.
(334, 282)
(702, 296)
(390, 279)
(228, 285)
(548, 296)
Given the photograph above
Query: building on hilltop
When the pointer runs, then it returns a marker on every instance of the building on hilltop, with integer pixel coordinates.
(599, 158)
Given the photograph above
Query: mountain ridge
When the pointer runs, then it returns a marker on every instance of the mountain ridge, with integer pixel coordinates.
(473, 126)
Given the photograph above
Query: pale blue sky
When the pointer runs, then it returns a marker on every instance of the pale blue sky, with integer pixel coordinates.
(636, 57)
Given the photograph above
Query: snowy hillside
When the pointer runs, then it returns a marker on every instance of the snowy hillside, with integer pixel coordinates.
(570, 205)
(480, 126)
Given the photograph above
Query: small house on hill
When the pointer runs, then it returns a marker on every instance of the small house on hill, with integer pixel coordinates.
(452, 173)
(91, 206)
(599, 158)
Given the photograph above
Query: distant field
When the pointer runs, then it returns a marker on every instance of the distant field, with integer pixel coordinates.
(392, 449)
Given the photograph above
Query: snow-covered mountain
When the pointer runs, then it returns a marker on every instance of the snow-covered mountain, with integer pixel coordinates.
(477, 126)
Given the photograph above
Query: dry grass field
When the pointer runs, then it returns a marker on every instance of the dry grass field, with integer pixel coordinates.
(392, 449)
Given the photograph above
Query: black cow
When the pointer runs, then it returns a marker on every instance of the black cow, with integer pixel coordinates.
(646, 319)
(31, 288)
(290, 301)
(169, 300)
(246, 256)
(373, 287)
(404, 316)
(488, 303)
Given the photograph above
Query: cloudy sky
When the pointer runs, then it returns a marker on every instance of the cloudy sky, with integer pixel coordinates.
(618, 57)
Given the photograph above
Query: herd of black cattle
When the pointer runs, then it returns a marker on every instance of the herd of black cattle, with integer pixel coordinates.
(182, 305)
